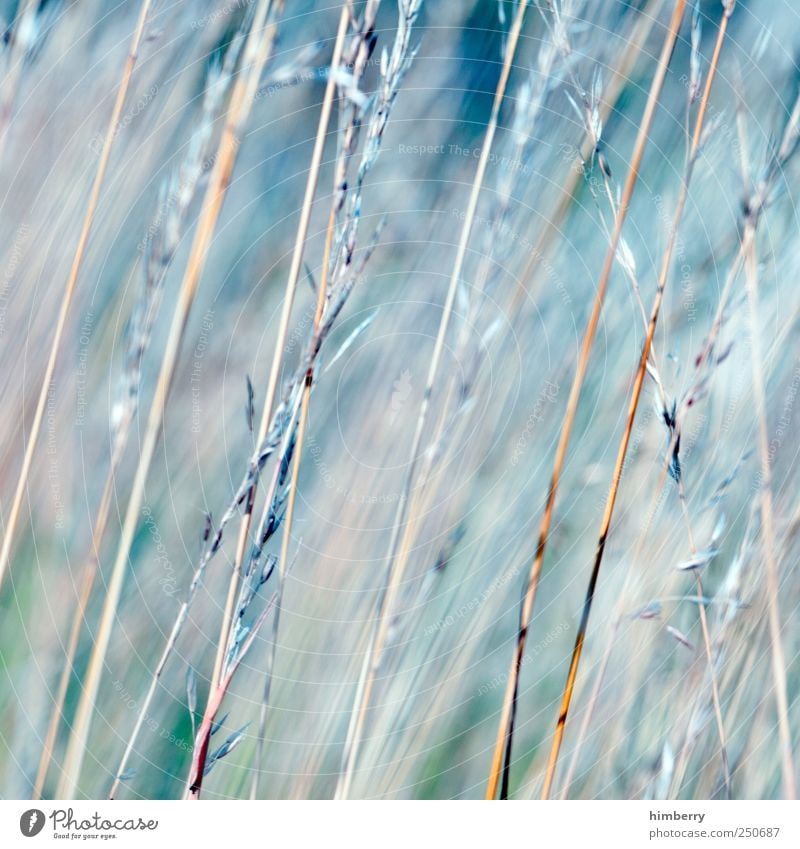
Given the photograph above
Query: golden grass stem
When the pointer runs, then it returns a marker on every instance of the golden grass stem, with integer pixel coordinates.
(257, 49)
(506, 725)
(374, 651)
(623, 447)
(69, 290)
(526, 280)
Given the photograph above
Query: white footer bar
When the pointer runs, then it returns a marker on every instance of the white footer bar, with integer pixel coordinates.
(410, 825)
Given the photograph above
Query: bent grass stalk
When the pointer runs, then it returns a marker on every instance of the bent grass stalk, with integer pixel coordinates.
(257, 48)
(621, 604)
(297, 455)
(533, 94)
(377, 639)
(606, 657)
(756, 205)
(69, 290)
(715, 697)
(761, 630)
(618, 617)
(620, 75)
(623, 448)
(506, 725)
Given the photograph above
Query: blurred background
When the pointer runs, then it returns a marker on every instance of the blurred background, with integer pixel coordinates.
(533, 261)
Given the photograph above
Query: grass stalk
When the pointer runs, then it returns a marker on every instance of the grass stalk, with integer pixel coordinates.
(218, 691)
(335, 283)
(508, 711)
(623, 447)
(715, 697)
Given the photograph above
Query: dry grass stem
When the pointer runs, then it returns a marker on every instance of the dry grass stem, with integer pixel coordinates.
(506, 725)
(623, 447)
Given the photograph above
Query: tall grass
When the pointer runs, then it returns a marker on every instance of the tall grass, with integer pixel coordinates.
(605, 525)
(454, 261)
(506, 730)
